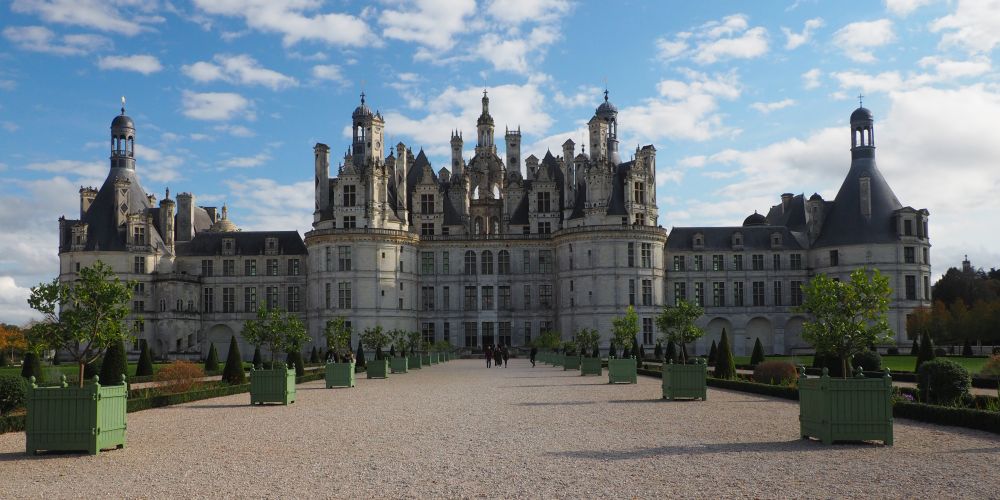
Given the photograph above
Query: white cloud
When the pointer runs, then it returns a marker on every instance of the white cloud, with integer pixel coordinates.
(904, 8)
(240, 69)
(157, 166)
(430, 23)
(9, 126)
(42, 39)
(330, 73)
(687, 109)
(767, 107)
(857, 39)
(729, 38)
(975, 26)
(88, 169)
(14, 302)
(944, 72)
(948, 69)
(246, 161)
(296, 21)
(124, 17)
(221, 106)
(8, 85)
(810, 79)
(145, 64)
(796, 40)
(235, 130)
(584, 96)
(284, 207)
(512, 54)
(519, 11)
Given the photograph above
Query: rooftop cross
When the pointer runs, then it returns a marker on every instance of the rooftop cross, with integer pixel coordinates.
(861, 101)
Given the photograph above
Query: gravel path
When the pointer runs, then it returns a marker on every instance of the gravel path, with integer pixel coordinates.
(460, 430)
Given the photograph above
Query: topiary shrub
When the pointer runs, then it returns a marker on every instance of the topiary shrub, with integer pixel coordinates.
(725, 365)
(359, 358)
(13, 390)
(179, 376)
(31, 366)
(314, 356)
(943, 382)
(926, 351)
(915, 348)
(642, 353)
(233, 372)
(757, 357)
(940, 352)
(775, 373)
(294, 359)
(892, 351)
(145, 366)
(868, 360)
(114, 365)
(712, 352)
(212, 361)
(671, 354)
(257, 359)
(658, 351)
(967, 349)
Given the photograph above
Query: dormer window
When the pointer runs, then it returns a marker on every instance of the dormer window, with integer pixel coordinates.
(271, 245)
(737, 240)
(775, 240)
(228, 246)
(698, 241)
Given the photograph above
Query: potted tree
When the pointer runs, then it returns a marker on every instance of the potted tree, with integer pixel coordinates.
(587, 341)
(398, 363)
(444, 350)
(375, 339)
(279, 331)
(340, 368)
(549, 341)
(83, 320)
(677, 326)
(624, 329)
(847, 317)
(432, 354)
(415, 360)
(571, 360)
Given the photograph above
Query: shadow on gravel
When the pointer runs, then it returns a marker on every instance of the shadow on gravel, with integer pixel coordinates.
(551, 385)
(798, 445)
(18, 456)
(560, 403)
(205, 407)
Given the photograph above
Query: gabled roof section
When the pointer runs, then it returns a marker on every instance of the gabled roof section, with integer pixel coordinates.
(247, 243)
(720, 238)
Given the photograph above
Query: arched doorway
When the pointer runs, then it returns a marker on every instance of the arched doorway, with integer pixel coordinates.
(713, 332)
(218, 335)
(794, 343)
(758, 328)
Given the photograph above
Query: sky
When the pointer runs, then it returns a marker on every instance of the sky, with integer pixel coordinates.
(743, 101)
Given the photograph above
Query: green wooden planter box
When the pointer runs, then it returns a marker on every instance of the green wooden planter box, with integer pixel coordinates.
(398, 365)
(65, 418)
(434, 358)
(571, 363)
(414, 362)
(272, 386)
(425, 360)
(685, 381)
(852, 409)
(591, 366)
(339, 375)
(378, 368)
(622, 371)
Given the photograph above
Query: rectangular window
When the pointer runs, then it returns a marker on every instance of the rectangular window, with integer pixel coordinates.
(139, 265)
(350, 222)
(738, 294)
(350, 196)
(631, 254)
(503, 331)
(271, 298)
(796, 293)
(250, 299)
(470, 334)
(272, 267)
(647, 331)
(911, 287)
(208, 300)
(758, 293)
(678, 262)
(229, 267)
(527, 296)
(639, 194)
(470, 298)
(544, 202)
(445, 298)
(927, 288)
(329, 259)
(487, 298)
(138, 235)
(446, 333)
(758, 262)
(776, 261)
(545, 261)
(503, 262)
(139, 305)
(909, 255)
(717, 264)
(427, 298)
(647, 254)
(445, 263)
(699, 262)
(427, 203)
(344, 295)
(229, 300)
(699, 294)
(487, 262)
(737, 262)
(505, 302)
(527, 332)
(488, 333)
(927, 259)
(545, 296)
(426, 229)
(544, 228)
(250, 267)
(293, 300)
(470, 262)
(680, 292)
(908, 227)
(795, 261)
(718, 293)
(776, 293)
(206, 267)
(327, 295)
(293, 267)
(834, 258)
(526, 264)
(344, 261)
(427, 332)
(631, 292)
(426, 262)
(647, 292)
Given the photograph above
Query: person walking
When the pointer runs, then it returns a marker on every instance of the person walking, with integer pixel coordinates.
(489, 355)
(534, 352)
(506, 355)
(498, 356)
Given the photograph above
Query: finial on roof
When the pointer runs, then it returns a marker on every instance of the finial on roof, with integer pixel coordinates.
(484, 93)
(605, 94)
(861, 102)
(167, 197)
(123, 105)
(362, 97)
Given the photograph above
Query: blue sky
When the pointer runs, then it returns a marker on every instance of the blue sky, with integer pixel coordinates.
(743, 101)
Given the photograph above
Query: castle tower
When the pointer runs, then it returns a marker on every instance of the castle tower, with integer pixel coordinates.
(457, 163)
(862, 134)
(87, 195)
(513, 141)
(322, 165)
(484, 127)
(185, 217)
(167, 221)
(368, 135)
(123, 141)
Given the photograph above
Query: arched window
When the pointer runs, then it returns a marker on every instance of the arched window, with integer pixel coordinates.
(503, 262)
(487, 262)
(470, 262)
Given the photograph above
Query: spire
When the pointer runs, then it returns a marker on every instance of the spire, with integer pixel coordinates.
(362, 97)
(123, 105)
(861, 102)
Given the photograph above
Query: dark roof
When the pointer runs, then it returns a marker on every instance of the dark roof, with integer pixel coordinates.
(720, 238)
(793, 216)
(102, 232)
(520, 215)
(451, 217)
(247, 243)
(581, 200)
(755, 219)
(843, 223)
(616, 206)
(122, 121)
(861, 115)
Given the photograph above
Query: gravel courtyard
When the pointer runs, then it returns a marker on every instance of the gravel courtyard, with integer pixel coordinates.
(460, 430)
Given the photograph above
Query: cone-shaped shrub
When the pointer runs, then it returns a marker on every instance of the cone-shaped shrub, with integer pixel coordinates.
(359, 358)
(212, 361)
(658, 351)
(597, 352)
(967, 348)
(56, 361)
(145, 366)
(926, 352)
(642, 353)
(725, 366)
(314, 356)
(612, 351)
(636, 350)
(915, 348)
(757, 357)
(31, 366)
(115, 364)
(257, 361)
(233, 372)
(712, 352)
(295, 359)
(671, 354)
(93, 368)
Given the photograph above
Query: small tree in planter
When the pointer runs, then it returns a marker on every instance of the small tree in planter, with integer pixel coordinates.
(570, 358)
(847, 317)
(624, 329)
(83, 320)
(375, 339)
(677, 326)
(339, 373)
(279, 332)
(587, 341)
(412, 341)
(398, 362)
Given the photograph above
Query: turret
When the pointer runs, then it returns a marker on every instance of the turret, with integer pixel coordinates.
(862, 134)
(122, 141)
(367, 131)
(484, 127)
(185, 217)
(457, 163)
(321, 153)
(87, 195)
(167, 221)
(513, 141)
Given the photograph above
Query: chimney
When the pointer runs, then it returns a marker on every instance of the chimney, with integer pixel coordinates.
(185, 217)
(167, 222)
(87, 195)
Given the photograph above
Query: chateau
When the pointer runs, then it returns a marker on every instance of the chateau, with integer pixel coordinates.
(482, 253)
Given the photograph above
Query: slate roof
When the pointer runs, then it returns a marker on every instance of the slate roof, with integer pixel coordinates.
(720, 238)
(247, 243)
(102, 232)
(843, 223)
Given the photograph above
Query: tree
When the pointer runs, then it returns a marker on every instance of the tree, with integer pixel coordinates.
(31, 365)
(712, 352)
(314, 356)
(548, 339)
(658, 351)
(83, 318)
(757, 357)
(212, 361)
(725, 365)
(412, 342)
(926, 352)
(360, 358)
(676, 324)
(375, 339)
(338, 339)
(671, 354)
(258, 360)
(12, 339)
(278, 330)
(587, 340)
(847, 316)
(114, 365)
(233, 372)
(625, 328)
(915, 348)
(144, 368)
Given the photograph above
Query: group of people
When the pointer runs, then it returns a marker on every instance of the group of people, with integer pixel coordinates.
(497, 356)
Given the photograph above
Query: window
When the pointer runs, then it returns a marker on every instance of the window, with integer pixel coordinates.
(758, 293)
(272, 267)
(445, 232)
(678, 262)
(487, 296)
(445, 298)
(505, 302)
(647, 254)
(639, 193)
(545, 261)
(208, 300)
(447, 332)
(927, 288)
(717, 264)
(426, 229)
(718, 294)
(527, 296)
(527, 332)
(631, 292)
(250, 267)
(293, 301)
(526, 265)
(426, 262)
(699, 262)
(427, 332)
(640, 219)
(470, 262)
(911, 287)
(680, 292)
(503, 332)
(293, 267)
(647, 330)
(545, 296)
(647, 292)
(327, 295)
(544, 202)
(206, 267)
(228, 300)
(795, 261)
(908, 227)
(427, 203)
(138, 235)
(796, 293)
(631, 254)
(737, 262)
(834, 258)
(487, 262)
(427, 298)
(699, 294)
(445, 263)
(344, 261)
(350, 222)
(138, 306)
(163, 305)
(271, 297)
(776, 293)
(470, 298)
(470, 334)
(758, 262)
(927, 258)
(488, 333)
(139, 289)
(503, 262)
(544, 228)
(344, 295)
(350, 196)
(909, 255)
(228, 245)
(738, 294)
(229, 267)
(776, 261)
(250, 299)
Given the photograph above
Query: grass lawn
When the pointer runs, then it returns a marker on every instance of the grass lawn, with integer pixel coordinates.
(893, 363)
(71, 370)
